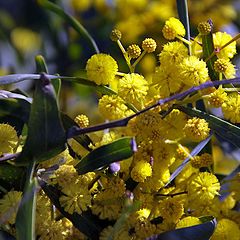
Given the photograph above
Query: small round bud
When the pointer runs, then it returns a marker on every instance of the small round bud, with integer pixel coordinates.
(82, 120)
(115, 35)
(204, 28)
(221, 65)
(134, 51)
(149, 45)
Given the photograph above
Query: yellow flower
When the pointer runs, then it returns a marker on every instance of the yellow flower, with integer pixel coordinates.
(82, 5)
(149, 45)
(134, 51)
(231, 108)
(133, 88)
(171, 209)
(193, 71)
(203, 188)
(112, 107)
(54, 230)
(141, 171)
(172, 28)
(76, 198)
(9, 205)
(226, 230)
(205, 160)
(196, 129)
(8, 138)
(165, 81)
(101, 68)
(174, 53)
(219, 40)
(217, 98)
(82, 120)
(226, 67)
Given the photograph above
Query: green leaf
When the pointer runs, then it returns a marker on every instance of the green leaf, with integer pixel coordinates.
(70, 20)
(208, 50)
(87, 223)
(182, 8)
(46, 136)
(100, 157)
(25, 219)
(198, 232)
(225, 129)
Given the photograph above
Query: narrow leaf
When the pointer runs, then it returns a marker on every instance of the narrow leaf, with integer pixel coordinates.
(220, 127)
(87, 223)
(198, 232)
(25, 219)
(208, 50)
(194, 152)
(104, 155)
(46, 136)
(182, 8)
(70, 20)
(15, 78)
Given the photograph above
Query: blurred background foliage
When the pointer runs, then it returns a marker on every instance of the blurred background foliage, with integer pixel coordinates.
(27, 29)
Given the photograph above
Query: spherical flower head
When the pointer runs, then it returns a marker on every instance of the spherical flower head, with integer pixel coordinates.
(224, 66)
(202, 188)
(54, 230)
(205, 160)
(144, 229)
(204, 28)
(231, 108)
(9, 205)
(174, 53)
(134, 51)
(171, 209)
(76, 198)
(105, 206)
(165, 82)
(149, 45)
(188, 222)
(133, 88)
(66, 175)
(8, 138)
(101, 69)
(219, 40)
(193, 71)
(172, 28)
(112, 107)
(217, 98)
(226, 230)
(141, 171)
(82, 120)
(196, 129)
(115, 35)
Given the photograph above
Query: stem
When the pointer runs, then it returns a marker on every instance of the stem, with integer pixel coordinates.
(138, 59)
(125, 55)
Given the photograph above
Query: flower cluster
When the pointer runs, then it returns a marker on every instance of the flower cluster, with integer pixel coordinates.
(164, 135)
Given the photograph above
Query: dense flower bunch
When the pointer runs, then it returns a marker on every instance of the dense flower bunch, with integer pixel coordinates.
(164, 136)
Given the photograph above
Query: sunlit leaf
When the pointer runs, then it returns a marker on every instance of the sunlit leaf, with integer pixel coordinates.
(198, 232)
(103, 156)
